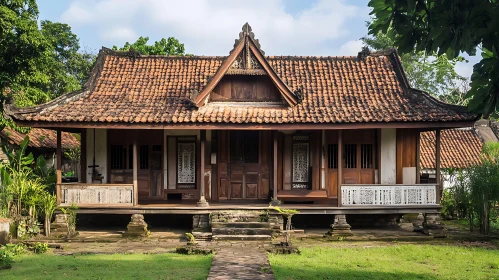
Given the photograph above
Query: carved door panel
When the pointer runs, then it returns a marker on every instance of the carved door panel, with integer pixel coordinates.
(236, 181)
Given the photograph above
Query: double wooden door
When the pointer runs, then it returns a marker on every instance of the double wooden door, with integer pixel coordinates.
(244, 165)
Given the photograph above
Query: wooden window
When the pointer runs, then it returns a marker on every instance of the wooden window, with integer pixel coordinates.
(117, 159)
(332, 156)
(350, 156)
(130, 156)
(366, 156)
(144, 157)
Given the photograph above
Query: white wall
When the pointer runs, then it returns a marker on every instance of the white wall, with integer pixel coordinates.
(100, 152)
(388, 156)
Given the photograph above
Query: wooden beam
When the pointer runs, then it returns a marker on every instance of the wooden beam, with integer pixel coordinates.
(135, 174)
(418, 157)
(340, 165)
(437, 164)
(322, 151)
(58, 171)
(274, 170)
(242, 126)
(83, 155)
(378, 139)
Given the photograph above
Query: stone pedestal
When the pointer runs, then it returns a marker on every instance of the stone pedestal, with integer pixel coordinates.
(137, 227)
(276, 222)
(4, 231)
(433, 226)
(340, 227)
(60, 225)
(202, 202)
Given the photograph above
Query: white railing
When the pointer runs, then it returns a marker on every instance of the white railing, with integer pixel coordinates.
(96, 194)
(360, 195)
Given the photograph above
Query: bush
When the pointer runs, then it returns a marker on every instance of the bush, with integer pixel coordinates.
(15, 249)
(40, 248)
(5, 258)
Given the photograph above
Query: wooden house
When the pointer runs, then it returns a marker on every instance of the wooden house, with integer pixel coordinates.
(194, 134)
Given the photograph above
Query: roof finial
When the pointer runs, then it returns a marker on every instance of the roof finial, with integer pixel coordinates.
(247, 31)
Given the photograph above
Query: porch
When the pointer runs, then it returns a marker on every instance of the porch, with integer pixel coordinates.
(349, 171)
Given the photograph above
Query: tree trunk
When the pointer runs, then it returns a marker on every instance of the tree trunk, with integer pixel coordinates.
(47, 225)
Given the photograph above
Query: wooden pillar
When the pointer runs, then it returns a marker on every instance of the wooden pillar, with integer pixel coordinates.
(135, 175)
(340, 164)
(83, 155)
(58, 171)
(418, 157)
(437, 164)
(202, 199)
(274, 171)
(323, 159)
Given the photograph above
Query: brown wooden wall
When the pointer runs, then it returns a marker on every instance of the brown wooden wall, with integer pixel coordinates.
(406, 150)
(245, 88)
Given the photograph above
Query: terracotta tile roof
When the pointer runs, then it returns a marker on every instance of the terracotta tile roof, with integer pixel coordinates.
(460, 148)
(40, 138)
(158, 89)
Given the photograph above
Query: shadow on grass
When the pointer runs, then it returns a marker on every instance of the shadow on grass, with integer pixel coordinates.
(117, 266)
(290, 273)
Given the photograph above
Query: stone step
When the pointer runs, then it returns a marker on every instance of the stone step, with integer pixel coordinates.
(246, 219)
(241, 231)
(206, 236)
(241, 225)
(242, 237)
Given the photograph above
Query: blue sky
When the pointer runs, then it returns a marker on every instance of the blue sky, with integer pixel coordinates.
(209, 27)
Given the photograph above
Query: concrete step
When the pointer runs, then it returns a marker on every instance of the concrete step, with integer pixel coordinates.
(240, 225)
(242, 237)
(241, 231)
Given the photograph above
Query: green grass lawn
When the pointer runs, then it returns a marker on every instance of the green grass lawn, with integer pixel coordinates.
(391, 262)
(117, 266)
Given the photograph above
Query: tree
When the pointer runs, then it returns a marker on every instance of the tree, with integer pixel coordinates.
(431, 73)
(170, 46)
(37, 64)
(448, 27)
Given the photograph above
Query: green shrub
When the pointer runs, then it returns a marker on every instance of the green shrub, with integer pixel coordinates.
(40, 248)
(15, 249)
(5, 258)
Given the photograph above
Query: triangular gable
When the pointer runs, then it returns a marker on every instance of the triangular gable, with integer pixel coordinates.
(246, 58)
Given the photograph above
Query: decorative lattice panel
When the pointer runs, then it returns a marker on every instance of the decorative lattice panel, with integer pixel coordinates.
(102, 194)
(186, 163)
(389, 195)
(300, 164)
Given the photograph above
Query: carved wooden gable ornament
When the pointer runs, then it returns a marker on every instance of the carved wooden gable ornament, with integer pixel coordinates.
(247, 58)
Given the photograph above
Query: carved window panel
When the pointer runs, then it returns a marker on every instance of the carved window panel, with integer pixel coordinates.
(300, 165)
(332, 156)
(186, 164)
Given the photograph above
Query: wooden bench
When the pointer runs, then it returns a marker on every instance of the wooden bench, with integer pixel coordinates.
(301, 195)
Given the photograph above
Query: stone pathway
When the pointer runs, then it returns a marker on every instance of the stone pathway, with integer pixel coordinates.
(240, 260)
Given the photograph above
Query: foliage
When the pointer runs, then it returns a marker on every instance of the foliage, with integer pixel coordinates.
(5, 258)
(48, 205)
(37, 63)
(170, 46)
(476, 191)
(448, 27)
(110, 266)
(71, 212)
(351, 261)
(288, 214)
(15, 249)
(190, 238)
(431, 72)
(73, 155)
(40, 248)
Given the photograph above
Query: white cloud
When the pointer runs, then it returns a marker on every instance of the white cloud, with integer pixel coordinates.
(210, 26)
(351, 48)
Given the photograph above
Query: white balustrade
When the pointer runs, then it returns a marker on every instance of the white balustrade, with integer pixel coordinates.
(367, 195)
(89, 194)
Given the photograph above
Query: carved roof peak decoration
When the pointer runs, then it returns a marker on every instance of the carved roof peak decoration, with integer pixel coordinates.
(247, 32)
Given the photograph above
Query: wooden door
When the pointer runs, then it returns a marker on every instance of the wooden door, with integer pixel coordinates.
(244, 165)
